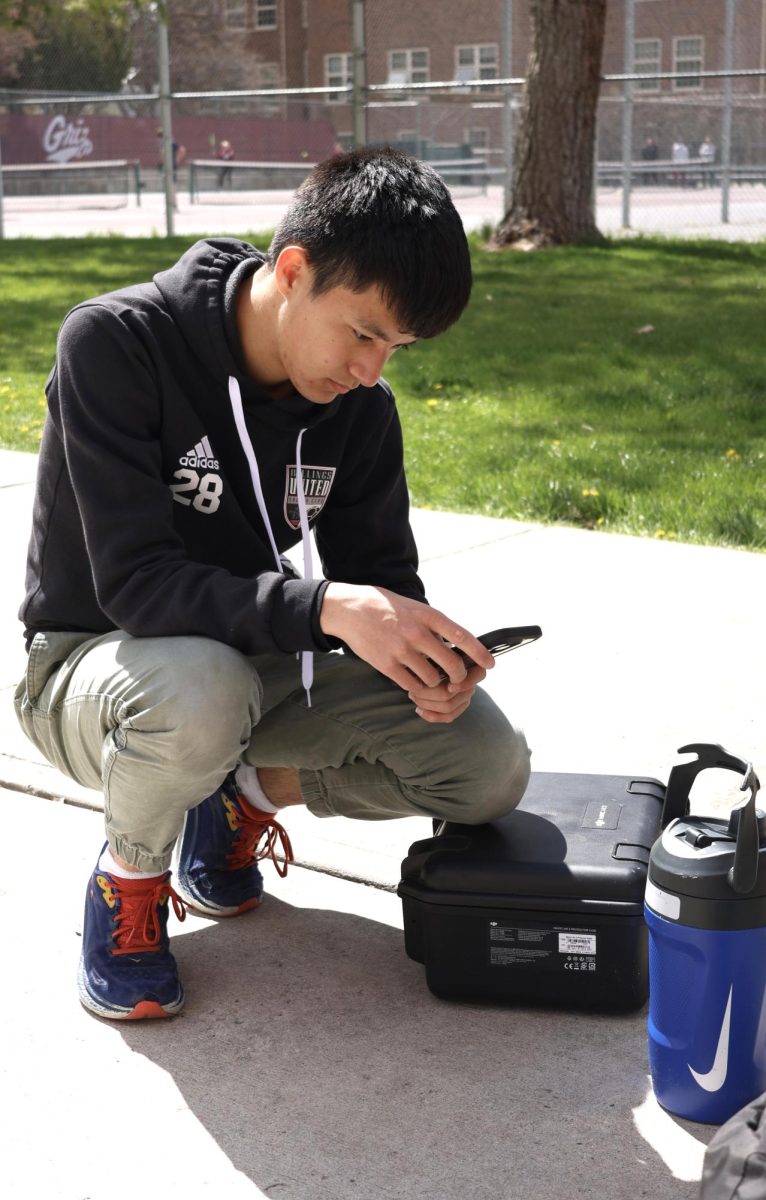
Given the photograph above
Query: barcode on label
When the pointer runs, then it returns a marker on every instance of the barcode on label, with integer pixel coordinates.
(577, 943)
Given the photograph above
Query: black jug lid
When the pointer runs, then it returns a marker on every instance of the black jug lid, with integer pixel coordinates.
(717, 864)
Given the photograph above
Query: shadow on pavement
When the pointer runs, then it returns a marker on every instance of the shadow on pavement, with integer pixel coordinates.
(312, 1052)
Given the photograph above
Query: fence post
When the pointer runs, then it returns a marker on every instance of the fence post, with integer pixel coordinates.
(163, 62)
(627, 111)
(2, 230)
(506, 34)
(359, 99)
(728, 60)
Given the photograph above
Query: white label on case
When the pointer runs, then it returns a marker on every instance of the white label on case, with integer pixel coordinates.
(662, 902)
(577, 943)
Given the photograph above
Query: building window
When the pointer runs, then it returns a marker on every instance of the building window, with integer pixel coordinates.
(408, 66)
(235, 14)
(338, 72)
(408, 141)
(267, 76)
(478, 138)
(688, 57)
(475, 62)
(647, 59)
(265, 14)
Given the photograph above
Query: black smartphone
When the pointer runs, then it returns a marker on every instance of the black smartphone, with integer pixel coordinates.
(500, 641)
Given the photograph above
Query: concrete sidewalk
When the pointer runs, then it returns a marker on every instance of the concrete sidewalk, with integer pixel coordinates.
(311, 1062)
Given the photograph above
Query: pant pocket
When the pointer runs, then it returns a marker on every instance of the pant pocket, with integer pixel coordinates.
(35, 710)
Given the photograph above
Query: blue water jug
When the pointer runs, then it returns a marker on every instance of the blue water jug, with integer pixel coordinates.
(706, 912)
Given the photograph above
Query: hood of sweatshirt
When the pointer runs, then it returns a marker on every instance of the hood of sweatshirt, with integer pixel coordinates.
(200, 292)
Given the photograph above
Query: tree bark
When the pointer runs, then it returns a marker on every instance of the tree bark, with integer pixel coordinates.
(552, 201)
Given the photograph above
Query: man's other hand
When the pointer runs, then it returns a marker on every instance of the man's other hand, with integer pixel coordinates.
(441, 704)
(410, 643)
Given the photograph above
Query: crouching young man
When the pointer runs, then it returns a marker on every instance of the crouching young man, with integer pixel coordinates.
(198, 426)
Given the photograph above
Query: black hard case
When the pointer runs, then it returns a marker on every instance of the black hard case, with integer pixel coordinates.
(544, 905)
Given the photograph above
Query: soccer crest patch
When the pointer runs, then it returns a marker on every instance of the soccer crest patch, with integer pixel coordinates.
(317, 482)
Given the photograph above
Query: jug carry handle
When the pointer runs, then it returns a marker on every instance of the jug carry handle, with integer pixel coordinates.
(742, 875)
(682, 776)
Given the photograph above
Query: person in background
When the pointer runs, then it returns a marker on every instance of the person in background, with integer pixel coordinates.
(226, 153)
(650, 152)
(179, 154)
(707, 153)
(680, 155)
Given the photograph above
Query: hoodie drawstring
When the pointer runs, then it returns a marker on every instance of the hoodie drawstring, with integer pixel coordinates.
(235, 396)
(307, 658)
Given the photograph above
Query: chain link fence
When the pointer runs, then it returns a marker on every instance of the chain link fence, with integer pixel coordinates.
(229, 105)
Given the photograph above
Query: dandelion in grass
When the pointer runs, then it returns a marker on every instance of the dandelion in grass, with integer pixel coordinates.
(590, 492)
(732, 454)
(432, 402)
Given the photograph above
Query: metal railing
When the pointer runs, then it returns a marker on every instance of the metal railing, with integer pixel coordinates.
(102, 170)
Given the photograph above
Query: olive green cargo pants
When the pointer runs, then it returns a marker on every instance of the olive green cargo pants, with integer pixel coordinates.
(157, 723)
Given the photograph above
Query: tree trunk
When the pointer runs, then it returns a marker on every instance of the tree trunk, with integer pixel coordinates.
(552, 202)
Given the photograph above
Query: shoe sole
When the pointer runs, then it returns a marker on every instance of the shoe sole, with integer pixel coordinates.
(208, 910)
(144, 1010)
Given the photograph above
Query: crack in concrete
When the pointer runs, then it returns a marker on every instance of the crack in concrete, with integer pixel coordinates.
(30, 789)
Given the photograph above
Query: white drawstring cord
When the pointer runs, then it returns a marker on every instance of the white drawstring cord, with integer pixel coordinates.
(235, 396)
(307, 658)
(239, 419)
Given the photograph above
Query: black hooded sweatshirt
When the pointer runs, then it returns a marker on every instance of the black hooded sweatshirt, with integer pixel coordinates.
(145, 515)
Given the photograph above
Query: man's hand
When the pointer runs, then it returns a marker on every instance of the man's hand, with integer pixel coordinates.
(408, 642)
(446, 701)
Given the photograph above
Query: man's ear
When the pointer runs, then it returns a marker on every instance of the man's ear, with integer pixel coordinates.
(292, 270)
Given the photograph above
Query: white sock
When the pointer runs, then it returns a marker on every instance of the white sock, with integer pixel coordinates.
(108, 864)
(250, 786)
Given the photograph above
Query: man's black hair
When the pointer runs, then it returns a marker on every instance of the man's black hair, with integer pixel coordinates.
(376, 217)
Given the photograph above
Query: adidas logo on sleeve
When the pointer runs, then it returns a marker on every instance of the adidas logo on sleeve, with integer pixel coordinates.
(200, 455)
(198, 486)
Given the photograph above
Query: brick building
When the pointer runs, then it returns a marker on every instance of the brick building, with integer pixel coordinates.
(241, 44)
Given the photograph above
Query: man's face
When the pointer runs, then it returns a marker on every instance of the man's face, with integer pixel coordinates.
(332, 343)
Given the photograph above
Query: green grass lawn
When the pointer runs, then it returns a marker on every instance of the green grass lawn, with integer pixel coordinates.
(545, 403)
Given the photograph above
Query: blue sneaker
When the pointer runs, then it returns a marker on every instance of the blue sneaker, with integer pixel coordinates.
(223, 839)
(126, 969)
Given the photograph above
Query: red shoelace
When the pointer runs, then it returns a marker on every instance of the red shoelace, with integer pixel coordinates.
(254, 826)
(137, 923)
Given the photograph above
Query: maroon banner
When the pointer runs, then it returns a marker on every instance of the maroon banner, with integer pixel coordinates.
(58, 137)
